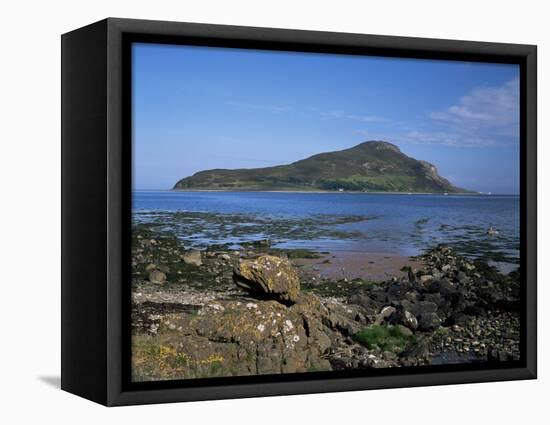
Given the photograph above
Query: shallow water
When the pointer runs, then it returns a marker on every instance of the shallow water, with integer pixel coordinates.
(399, 224)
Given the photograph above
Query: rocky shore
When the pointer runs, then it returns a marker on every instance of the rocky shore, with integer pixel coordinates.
(257, 310)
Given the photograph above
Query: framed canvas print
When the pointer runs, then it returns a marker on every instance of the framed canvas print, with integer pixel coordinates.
(252, 212)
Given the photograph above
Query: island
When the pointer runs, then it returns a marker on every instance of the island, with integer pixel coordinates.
(373, 166)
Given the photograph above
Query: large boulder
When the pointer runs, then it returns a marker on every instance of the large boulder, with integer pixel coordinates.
(268, 277)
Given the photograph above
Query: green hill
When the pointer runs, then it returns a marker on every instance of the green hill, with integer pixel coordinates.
(373, 166)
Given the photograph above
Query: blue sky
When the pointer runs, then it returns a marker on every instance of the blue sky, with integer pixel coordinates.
(197, 108)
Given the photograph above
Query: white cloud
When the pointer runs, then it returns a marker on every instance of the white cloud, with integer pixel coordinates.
(486, 116)
(445, 138)
(485, 108)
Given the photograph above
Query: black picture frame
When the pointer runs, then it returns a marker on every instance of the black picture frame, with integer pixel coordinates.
(96, 177)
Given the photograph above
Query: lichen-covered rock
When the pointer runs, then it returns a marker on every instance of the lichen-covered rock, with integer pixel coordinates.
(238, 337)
(268, 277)
(244, 336)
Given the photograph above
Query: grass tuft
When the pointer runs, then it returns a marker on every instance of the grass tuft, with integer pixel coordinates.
(385, 338)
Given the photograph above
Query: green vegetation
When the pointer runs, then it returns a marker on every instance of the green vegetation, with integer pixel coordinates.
(390, 338)
(368, 167)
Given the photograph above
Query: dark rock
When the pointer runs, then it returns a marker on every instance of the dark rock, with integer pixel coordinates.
(434, 298)
(370, 305)
(420, 350)
(408, 305)
(403, 317)
(462, 277)
(424, 307)
(429, 322)
(385, 315)
(496, 296)
(405, 331)
(443, 286)
(474, 310)
(262, 243)
(378, 295)
(420, 307)
(458, 319)
(411, 296)
(498, 356)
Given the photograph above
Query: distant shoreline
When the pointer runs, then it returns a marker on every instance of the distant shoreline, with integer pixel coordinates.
(320, 192)
(327, 192)
(324, 192)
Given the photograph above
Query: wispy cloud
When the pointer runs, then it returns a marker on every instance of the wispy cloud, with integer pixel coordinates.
(486, 107)
(486, 116)
(353, 117)
(445, 138)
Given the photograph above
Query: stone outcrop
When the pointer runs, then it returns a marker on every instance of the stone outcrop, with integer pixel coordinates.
(244, 336)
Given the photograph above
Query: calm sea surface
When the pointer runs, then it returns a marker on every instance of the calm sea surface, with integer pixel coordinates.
(399, 224)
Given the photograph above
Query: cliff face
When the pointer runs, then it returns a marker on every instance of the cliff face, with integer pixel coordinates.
(370, 166)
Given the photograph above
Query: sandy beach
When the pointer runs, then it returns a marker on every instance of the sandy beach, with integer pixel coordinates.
(348, 265)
